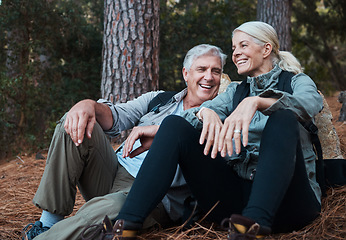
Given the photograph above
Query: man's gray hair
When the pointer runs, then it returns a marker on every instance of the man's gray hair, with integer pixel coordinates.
(201, 50)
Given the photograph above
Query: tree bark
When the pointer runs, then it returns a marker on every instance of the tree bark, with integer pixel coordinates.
(278, 14)
(130, 64)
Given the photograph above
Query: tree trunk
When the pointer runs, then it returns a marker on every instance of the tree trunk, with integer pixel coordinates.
(130, 64)
(278, 14)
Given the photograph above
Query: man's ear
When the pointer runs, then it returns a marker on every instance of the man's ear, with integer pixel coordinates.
(185, 72)
(267, 50)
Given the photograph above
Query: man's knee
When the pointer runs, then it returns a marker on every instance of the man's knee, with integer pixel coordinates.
(98, 207)
(96, 135)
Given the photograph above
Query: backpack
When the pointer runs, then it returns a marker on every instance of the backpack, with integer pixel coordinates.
(160, 100)
(329, 172)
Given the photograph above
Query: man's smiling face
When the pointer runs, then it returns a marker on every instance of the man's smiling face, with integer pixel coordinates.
(203, 78)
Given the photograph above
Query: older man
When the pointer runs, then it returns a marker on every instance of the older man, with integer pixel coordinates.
(81, 155)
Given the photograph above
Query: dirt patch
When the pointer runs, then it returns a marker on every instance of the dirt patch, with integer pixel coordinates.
(20, 177)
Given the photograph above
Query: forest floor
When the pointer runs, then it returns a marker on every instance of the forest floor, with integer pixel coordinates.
(20, 177)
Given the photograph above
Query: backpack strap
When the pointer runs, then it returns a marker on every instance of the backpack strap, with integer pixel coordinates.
(160, 100)
(241, 92)
(284, 83)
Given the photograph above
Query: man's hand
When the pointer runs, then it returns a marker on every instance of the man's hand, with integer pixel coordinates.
(211, 129)
(80, 120)
(145, 134)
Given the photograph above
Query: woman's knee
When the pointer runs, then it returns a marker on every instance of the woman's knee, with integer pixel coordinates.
(172, 121)
(283, 119)
(283, 115)
(176, 125)
(282, 127)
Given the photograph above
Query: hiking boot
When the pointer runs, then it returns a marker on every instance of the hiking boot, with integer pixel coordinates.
(243, 228)
(122, 230)
(32, 230)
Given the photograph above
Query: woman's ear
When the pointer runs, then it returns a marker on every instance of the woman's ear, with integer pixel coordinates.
(267, 50)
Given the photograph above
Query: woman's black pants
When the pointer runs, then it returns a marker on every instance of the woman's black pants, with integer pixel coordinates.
(279, 197)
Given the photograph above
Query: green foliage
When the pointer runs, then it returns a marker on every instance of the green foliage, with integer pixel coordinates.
(319, 41)
(50, 59)
(184, 24)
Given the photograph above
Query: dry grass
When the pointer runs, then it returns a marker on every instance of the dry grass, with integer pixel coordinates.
(20, 178)
(330, 225)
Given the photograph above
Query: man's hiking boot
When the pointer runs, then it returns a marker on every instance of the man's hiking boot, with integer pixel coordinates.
(243, 228)
(32, 230)
(122, 230)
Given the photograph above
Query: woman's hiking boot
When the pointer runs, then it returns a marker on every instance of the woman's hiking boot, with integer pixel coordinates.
(121, 230)
(243, 228)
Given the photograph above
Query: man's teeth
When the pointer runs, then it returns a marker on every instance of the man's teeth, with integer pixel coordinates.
(205, 86)
(241, 62)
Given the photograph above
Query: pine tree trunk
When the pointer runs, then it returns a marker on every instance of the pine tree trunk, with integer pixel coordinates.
(130, 49)
(278, 14)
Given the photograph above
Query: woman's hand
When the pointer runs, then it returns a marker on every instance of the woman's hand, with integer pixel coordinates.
(211, 129)
(238, 123)
(145, 134)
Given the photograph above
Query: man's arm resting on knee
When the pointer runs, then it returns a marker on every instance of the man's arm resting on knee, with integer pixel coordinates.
(82, 117)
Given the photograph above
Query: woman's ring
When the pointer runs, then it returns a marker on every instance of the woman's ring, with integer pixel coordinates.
(237, 131)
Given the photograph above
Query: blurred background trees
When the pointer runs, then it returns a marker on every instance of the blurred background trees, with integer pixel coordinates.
(51, 52)
(50, 58)
(319, 34)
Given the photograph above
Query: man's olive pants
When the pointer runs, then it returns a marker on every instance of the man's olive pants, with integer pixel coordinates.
(94, 168)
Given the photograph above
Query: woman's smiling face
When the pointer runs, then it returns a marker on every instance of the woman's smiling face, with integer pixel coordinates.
(250, 58)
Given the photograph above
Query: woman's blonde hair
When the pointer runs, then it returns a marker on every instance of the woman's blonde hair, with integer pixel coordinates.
(264, 33)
